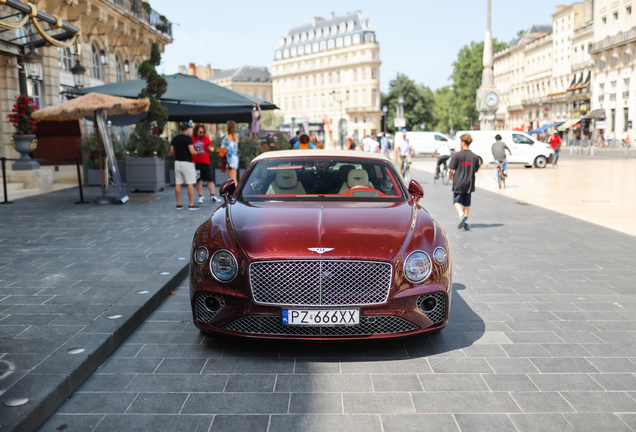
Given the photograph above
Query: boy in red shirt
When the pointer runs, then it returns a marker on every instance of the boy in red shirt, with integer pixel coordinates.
(555, 143)
(201, 158)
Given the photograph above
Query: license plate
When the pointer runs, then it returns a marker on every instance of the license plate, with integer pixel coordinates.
(321, 317)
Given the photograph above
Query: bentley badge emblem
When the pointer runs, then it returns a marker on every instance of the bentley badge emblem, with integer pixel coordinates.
(320, 250)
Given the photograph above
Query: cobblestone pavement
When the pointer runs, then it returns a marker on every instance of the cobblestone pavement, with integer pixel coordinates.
(541, 338)
(63, 269)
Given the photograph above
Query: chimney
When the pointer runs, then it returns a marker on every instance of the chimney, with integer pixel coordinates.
(191, 70)
(316, 20)
(332, 15)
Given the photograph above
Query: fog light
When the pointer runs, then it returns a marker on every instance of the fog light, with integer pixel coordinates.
(428, 304)
(213, 304)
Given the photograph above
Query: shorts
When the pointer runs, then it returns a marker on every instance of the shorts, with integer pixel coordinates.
(462, 198)
(204, 172)
(184, 172)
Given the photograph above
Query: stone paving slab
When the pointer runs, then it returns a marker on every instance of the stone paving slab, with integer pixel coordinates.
(63, 269)
(541, 338)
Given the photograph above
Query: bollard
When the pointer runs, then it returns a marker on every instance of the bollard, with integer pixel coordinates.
(79, 181)
(4, 181)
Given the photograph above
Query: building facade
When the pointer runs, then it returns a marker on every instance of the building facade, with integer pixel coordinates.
(115, 38)
(613, 52)
(327, 74)
(253, 81)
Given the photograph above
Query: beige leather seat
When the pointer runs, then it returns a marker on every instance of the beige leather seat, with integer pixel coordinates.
(286, 182)
(354, 178)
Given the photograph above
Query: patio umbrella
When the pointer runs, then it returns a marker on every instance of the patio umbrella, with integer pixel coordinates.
(99, 106)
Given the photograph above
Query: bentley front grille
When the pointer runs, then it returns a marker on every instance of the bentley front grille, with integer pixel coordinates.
(205, 312)
(320, 282)
(272, 325)
(437, 313)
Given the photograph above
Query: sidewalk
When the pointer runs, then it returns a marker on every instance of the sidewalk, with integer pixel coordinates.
(65, 271)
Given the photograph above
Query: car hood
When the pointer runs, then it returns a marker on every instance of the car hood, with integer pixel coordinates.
(284, 230)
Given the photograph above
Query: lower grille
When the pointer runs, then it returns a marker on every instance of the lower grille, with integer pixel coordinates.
(204, 314)
(272, 325)
(438, 314)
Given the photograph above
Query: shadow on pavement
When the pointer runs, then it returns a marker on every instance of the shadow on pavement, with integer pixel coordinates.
(478, 225)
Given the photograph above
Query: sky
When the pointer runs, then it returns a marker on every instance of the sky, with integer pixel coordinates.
(419, 38)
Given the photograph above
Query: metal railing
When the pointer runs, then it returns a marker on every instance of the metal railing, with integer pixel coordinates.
(587, 147)
(145, 13)
(620, 38)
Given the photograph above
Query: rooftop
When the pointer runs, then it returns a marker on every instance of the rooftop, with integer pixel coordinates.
(243, 73)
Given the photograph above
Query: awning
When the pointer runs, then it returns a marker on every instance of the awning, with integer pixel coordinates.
(187, 98)
(598, 114)
(539, 130)
(568, 124)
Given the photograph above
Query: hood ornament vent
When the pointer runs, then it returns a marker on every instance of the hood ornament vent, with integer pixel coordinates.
(320, 250)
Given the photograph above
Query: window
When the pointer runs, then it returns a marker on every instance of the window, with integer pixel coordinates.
(330, 78)
(307, 102)
(300, 103)
(355, 74)
(136, 70)
(628, 59)
(293, 103)
(602, 65)
(374, 98)
(315, 80)
(521, 139)
(300, 82)
(66, 59)
(119, 70)
(613, 124)
(322, 79)
(286, 107)
(374, 73)
(96, 66)
(354, 101)
(34, 88)
(264, 97)
(614, 62)
(338, 77)
(307, 81)
(322, 100)
(315, 101)
(364, 73)
(625, 119)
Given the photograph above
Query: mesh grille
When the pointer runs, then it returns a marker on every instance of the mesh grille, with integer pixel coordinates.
(437, 315)
(320, 283)
(272, 325)
(204, 315)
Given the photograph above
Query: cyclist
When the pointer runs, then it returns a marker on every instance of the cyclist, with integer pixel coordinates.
(499, 154)
(444, 153)
(405, 151)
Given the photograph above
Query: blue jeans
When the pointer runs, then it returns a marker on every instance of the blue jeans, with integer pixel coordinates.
(504, 165)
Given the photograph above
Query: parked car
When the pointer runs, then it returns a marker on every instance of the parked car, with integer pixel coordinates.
(320, 245)
(525, 149)
(425, 143)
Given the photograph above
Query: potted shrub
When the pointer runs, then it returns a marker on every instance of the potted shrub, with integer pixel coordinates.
(23, 139)
(145, 166)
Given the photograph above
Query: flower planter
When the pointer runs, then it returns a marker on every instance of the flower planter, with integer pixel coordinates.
(145, 174)
(24, 144)
(121, 167)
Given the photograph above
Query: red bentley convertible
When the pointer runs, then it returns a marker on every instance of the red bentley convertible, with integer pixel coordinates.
(320, 245)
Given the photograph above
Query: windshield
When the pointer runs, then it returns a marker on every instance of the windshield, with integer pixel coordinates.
(322, 179)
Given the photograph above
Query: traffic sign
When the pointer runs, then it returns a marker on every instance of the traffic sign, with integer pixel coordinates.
(400, 122)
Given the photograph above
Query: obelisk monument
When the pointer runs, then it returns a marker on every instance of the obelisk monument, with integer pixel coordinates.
(487, 94)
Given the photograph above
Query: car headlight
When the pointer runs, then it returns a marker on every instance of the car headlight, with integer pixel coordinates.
(417, 266)
(223, 266)
(439, 255)
(201, 255)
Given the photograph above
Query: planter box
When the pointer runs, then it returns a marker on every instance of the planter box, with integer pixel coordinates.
(170, 176)
(145, 174)
(121, 166)
(91, 177)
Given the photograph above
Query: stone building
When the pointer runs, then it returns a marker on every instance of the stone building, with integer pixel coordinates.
(326, 74)
(115, 38)
(253, 81)
(201, 72)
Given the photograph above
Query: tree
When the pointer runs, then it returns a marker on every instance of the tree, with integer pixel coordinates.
(145, 139)
(418, 103)
(466, 77)
(270, 120)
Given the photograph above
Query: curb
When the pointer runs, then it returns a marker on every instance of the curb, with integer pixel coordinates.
(48, 386)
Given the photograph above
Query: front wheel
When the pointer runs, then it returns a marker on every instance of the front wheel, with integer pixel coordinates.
(499, 180)
(541, 161)
(445, 179)
(406, 174)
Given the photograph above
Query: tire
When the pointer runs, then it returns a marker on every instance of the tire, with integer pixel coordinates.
(445, 179)
(407, 175)
(499, 181)
(541, 162)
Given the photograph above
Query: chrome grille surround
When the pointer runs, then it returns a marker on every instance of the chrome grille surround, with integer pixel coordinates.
(272, 325)
(438, 314)
(203, 314)
(320, 282)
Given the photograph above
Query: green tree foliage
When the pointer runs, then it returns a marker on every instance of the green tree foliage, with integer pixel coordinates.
(145, 140)
(269, 120)
(418, 103)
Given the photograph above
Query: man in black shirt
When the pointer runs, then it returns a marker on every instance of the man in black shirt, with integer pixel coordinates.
(463, 166)
(182, 148)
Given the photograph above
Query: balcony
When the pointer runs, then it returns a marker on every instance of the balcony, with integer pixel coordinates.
(612, 96)
(626, 94)
(143, 12)
(612, 41)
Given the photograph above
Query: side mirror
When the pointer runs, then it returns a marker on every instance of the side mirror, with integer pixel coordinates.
(416, 190)
(227, 189)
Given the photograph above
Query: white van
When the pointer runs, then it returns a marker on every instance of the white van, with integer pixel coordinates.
(525, 149)
(425, 143)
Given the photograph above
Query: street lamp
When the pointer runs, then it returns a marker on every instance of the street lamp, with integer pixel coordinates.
(103, 57)
(33, 62)
(385, 109)
(340, 102)
(78, 72)
(126, 66)
(293, 126)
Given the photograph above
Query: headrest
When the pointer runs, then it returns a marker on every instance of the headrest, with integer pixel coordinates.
(286, 179)
(343, 171)
(357, 177)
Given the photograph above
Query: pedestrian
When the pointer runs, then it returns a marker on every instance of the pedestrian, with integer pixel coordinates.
(317, 144)
(384, 145)
(498, 150)
(304, 143)
(374, 145)
(294, 140)
(231, 143)
(463, 166)
(351, 145)
(182, 148)
(444, 152)
(201, 158)
(366, 143)
(254, 125)
(405, 151)
(555, 143)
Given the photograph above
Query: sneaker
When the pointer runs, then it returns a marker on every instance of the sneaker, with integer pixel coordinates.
(179, 207)
(436, 178)
(505, 173)
(215, 199)
(201, 199)
(462, 221)
(194, 207)
(466, 227)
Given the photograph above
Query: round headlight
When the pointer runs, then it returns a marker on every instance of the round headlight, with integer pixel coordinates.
(440, 256)
(223, 266)
(201, 255)
(417, 266)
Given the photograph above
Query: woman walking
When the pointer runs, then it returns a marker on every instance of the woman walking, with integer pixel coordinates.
(231, 142)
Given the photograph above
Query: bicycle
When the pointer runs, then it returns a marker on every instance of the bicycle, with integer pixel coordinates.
(501, 178)
(405, 170)
(444, 174)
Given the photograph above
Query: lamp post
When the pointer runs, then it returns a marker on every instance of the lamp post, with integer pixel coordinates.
(340, 128)
(126, 66)
(103, 57)
(78, 72)
(401, 107)
(293, 126)
(385, 109)
(33, 62)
